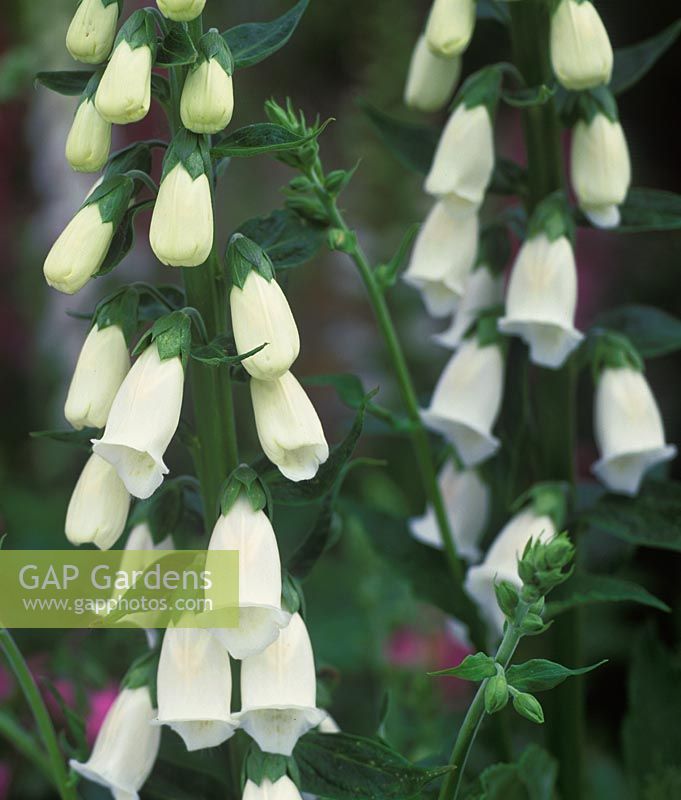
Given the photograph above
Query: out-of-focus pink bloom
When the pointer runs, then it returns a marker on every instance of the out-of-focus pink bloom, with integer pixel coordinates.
(407, 648)
(99, 703)
(5, 780)
(66, 691)
(6, 685)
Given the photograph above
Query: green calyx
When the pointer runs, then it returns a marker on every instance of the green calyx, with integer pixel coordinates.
(483, 88)
(91, 88)
(596, 101)
(213, 47)
(486, 328)
(172, 335)
(259, 766)
(527, 706)
(112, 197)
(553, 218)
(243, 256)
(244, 481)
(143, 672)
(496, 691)
(543, 566)
(494, 248)
(139, 30)
(107, 3)
(548, 499)
(191, 150)
(614, 351)
(122, 310)
(292, 598)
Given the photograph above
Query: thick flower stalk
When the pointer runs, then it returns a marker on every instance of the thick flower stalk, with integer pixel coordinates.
(126, 747)
(207, 102)
(92, 31)
(581, 53)
(195, 688)
(181, 10)
(89, 140)
(431, 79)
(124, 92)
(182, 229)
(278, 691)
(282, 789)
(450, 26)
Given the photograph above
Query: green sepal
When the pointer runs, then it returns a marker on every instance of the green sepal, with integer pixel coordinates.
(91, 89)
(119, 3)
(122, 310)
(258, 766)
(172, 335)
(507, 597)
(494, 248)
(213, 46)
(483, 88)
(613, 351)
(292, 597)
(135, 157)
(496, 692)
(245, 480)
(527, 706)
(596, 101)
(244, 255)
(112, 197)
(142, 672)
(553, 218)
(476, 667)
(486, 328)
(139, 30)
(189, 149)
(549, 499)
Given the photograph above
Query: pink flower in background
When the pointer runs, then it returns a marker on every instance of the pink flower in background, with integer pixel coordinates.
(6, 685)
(407, 647)
(99, 703)
(5, 780)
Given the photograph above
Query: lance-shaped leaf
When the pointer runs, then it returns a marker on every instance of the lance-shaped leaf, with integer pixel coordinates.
(650, 210)
(82, 438)
(222, 351)
(177, 47)
(286, 237)
(255, 41)
(339, 766)
(584, 590)
(68, 82)
(475, 667)
(261, 137)
(651, 331)
(632, 63)
(540, 675)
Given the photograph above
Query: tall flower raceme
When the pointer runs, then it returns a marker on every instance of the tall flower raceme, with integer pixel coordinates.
(207, 102)
(542, 293)
(431, 78)
(600, 166)
(468, 395)
(464, 159)
(124, 92)
(581, 53)
(92, 31)
(181, 10)
(450, 26)
(182, 230)
(627, 422)
(244, 526)
(146, 410)
(89, 140)
(539, 520)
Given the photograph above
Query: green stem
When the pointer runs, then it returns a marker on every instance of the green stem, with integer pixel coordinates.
(23, 743)
(45, 727)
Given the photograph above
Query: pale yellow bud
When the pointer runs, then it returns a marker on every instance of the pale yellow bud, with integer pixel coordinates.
(431, 79)
(181, 10)
(124, 93)
(450, 26)
(581, 53)
(207, 98)
(91, 33)
(89, 140)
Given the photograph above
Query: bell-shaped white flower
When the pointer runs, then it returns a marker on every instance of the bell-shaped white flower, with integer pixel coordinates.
(260, 613)
(443, 256)
(501, 562)
(141, 538)
(99, 506)
(89, 140)
(629, 430)
(467, 501)
(207, 102)
(464, 158)
(467, 400)
(289, 429)
(278, 691)
(124, 93)
(126, 746)
(261, 315)
(431, 78)
(195, 688)
(79, 251)
(102, 365)
(600, 169)
(181, 232)
(581, 52)
(181, 10)
(450, 26)
(282, 789)
(542, 298)
(142, 421)
(92, 31)
(483, 289)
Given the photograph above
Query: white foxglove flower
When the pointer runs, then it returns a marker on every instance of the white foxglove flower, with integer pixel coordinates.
(450, 26)
(443, 257)
(464, 159)
(92, 30)
(600, 169)
(581, 52)
(542, 298)
(181, 10)
(261, 315)
(99, 506)
(501, 562)
(89, 140)
(483, 289)
(467, 501)
(102, 365)
(142, 421)
(126, 747)
(260, 613)
(207, 102)
(467, 400)
(278, 691)
(282, 789)
(195, 688)
(141, 538)
(431, 78)
(629, 430)
(289, 429)
(328, 725)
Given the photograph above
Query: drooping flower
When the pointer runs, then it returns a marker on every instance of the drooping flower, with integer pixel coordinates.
(99, 506)
(289, 429)
(92, 30)
(581, 52)
(195, 688)
(207, 102)
(126, 746)
(282, 789)
(278, 691)
(181, 10)
(450, 26)
(431, 78)
(89, 140)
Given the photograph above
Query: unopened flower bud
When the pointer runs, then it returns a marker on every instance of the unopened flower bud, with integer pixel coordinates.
(282, 789)
(581, 53)
(450, 26)
(207, 102)
(431, 79)
(92, 30)
(507, 597)
(532, 624)
(89, 140)
(529, 707)
(181, 10)
(496, 693)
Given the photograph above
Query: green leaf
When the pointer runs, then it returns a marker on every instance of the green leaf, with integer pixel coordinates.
(261, 137)
(653, 519)
(69, 82)
(475, 667)
(222, 351)
(540, 675)
(495, 10)
(323, 535)
(532, 778)
(650, 210)
(339, 766)
(651, 331)
(529, 97)
(177, 47)
(632, 63)
(286, 237)
(411, 143)
(387, 274)
(75, 438)
(255, 41)
(584, 590)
